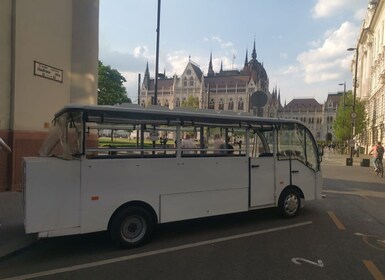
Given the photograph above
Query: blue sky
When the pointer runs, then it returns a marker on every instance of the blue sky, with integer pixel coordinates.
(301, 43)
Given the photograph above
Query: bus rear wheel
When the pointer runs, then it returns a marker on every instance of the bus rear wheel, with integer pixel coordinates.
(289, 203)
(131, 227)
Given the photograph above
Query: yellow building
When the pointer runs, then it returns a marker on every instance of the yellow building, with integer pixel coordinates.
(370, 71)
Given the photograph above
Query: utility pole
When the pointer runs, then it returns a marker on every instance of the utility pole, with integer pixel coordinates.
(155, 100)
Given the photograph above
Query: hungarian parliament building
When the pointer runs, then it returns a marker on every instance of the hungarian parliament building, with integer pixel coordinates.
(233, 90)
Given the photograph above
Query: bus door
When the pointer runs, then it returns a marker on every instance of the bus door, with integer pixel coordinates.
(262, 171)
(297, 162)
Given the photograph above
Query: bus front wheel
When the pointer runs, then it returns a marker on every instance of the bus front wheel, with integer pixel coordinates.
(131, 227)
(289, 203)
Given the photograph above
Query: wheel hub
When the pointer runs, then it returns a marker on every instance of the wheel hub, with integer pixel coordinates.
(291, 204)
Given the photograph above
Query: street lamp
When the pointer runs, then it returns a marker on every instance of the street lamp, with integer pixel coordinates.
(155, 100)
(353, 114)
(343, 84)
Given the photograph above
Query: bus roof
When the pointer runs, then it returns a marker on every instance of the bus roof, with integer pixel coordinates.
(135, 112)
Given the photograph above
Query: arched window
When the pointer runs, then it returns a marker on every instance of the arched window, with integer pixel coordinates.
(185, 82)
(177, 104)
(230, 106)
(212, 104)
(240, 104)
(191, 81)
(221, 105)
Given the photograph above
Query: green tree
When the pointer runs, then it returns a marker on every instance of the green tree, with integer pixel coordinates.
(191, 102)
(110, 87)
(343, 123)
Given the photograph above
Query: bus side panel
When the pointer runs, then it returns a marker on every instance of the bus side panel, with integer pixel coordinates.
(181, 206)
(51, 194)
(109, 183)
(304, 177)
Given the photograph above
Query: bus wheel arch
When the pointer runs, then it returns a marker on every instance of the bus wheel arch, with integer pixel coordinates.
(289, 202)
(131, 225)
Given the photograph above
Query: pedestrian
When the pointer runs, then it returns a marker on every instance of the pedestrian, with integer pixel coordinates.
(357, 149)
(188, 144)
(218, 142)
(378, 153)
(227, 148)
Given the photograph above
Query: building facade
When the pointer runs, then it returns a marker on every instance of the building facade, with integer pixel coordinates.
(370, 71)
(233, 90)
(223, 90)
(48, 58)
(317, 117)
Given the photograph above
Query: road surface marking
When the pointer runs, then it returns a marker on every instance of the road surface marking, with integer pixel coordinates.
(297, 261)
(152, 253)
(338, 223)
(376, 273)
(358, 192)
(373, 241)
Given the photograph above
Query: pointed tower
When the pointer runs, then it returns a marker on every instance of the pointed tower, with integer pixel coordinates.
(221, 67)
(210, 72)
(245, 66)
(254, 54)
(146, 78)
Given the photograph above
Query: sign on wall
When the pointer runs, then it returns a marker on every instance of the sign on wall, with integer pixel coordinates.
(49, 72)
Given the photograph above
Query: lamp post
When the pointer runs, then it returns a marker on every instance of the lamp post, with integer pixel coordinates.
(343, 84)
(353, 114)
(155, 100)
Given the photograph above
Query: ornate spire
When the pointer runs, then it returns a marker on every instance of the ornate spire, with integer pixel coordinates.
(146, 78)
(221, 66)
(254, 54)
(210, 71)
(246, 58)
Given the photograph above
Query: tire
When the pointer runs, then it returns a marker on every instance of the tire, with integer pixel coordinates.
(289, 203)
(131, 227)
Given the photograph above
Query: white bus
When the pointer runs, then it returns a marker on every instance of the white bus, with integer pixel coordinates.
(84, 181)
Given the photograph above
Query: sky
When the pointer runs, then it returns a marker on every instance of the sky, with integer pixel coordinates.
(301, 43)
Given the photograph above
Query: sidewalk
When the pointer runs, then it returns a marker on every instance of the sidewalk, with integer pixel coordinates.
(13, 238)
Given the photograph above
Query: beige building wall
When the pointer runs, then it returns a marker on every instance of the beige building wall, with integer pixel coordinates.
(5, 63)
(371, 72)
(62, 35)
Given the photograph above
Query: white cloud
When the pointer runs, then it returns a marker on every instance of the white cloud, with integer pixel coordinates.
(328, 61)
(176, 62)
(222, 43)
(329, 8)
(141, 51)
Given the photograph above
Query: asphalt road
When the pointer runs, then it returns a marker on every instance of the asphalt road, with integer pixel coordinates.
(340, 237)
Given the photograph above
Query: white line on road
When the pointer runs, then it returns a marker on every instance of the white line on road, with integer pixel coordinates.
(152, 253)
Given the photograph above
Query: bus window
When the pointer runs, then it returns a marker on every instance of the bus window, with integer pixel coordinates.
(311, 152)
(291, 142)
(262, 145)
(296, 142)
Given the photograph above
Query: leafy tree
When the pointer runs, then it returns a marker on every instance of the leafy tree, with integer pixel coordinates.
(110, 87)
(343, 123)
(191, 102)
